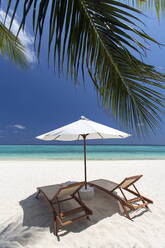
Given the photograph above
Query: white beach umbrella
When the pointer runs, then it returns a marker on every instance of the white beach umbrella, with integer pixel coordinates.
(81, 130)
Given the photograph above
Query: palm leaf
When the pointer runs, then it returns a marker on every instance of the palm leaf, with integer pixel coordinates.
(11, 46)
(99, 36)
(152, 5)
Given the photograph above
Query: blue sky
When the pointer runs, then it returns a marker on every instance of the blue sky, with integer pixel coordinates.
(36, 100)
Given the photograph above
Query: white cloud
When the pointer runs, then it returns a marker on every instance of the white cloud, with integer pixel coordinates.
(19, 126)
(16, 126)
(26, 39)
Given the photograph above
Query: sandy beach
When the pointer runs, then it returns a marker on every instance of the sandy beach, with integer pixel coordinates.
(27, 222)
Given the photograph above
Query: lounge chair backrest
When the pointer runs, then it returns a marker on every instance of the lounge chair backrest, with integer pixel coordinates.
(69, 189)
(128, 181)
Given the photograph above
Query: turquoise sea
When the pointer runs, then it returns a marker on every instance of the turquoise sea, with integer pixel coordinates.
(94, 152)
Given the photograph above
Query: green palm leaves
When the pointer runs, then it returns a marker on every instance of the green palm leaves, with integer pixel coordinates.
(11, 46)
(99, 36)
(157, 6)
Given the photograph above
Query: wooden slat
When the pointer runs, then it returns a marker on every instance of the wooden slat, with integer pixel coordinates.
(135, 199)
(141, 205)
(145, 198)
(68, 222)
(72, 211)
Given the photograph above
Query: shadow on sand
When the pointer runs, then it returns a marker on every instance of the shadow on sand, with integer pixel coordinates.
(14, 235)
(36, 212)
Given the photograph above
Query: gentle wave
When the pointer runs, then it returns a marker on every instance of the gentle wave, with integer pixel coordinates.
(73, 152)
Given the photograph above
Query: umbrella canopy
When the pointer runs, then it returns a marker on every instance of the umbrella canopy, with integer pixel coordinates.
(81, 130)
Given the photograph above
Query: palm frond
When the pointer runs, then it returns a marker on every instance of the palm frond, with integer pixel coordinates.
(100, 36)
(157, 6)
(11, 47)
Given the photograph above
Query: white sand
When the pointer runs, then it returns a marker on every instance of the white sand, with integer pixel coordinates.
(26, 221)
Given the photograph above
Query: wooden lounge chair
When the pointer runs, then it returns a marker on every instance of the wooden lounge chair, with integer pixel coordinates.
(113, 189)
(55, 195)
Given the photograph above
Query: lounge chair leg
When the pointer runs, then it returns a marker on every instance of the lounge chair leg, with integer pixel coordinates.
(56, 233)
(146, 205)
(123, 210)
(126, 213)
(62, 218)
(79, 195)
(37, 195)
(56, 229)
(58, 237)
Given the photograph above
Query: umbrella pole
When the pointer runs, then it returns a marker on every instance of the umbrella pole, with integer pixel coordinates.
(85, 169)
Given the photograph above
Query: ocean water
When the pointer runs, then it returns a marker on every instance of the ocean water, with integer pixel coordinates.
(94, 152)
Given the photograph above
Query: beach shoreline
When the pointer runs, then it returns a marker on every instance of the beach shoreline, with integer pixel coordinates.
(51, 160)
(20, 212)
(73, 152)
